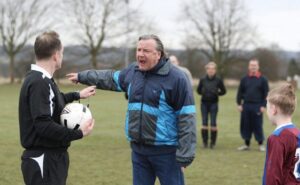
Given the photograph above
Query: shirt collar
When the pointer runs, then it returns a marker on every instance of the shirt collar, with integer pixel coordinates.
(283, 125)
(256, 74)
(35, 67)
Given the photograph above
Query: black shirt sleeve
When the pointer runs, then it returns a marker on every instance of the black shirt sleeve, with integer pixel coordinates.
(41, 111)
(70, 97)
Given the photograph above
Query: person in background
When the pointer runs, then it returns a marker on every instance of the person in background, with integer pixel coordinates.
(283, 146)
(251, 101)
(210, 88)
(186, 71)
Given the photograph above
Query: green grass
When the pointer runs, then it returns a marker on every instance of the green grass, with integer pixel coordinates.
(104, 157)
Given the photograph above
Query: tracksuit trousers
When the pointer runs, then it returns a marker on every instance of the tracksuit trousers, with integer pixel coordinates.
(252, 122)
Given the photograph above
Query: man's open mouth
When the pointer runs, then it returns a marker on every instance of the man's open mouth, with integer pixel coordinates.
(142, 61)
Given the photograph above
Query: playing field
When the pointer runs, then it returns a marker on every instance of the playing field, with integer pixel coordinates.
(104, 157)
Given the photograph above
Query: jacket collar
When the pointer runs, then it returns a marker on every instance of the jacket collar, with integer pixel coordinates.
(210, 78)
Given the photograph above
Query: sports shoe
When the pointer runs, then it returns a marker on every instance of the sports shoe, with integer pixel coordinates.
(262, 148)
(243, 148)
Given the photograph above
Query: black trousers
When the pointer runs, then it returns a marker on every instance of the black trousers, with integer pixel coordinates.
(45, 167)
(209, 109)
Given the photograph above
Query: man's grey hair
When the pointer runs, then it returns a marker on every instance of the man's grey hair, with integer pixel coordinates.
(254, 59)
(159, 44)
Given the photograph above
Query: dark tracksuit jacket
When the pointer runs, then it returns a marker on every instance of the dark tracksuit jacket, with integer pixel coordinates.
(161, 109)
(253, 90)
(252, 94)
(40, 106)
(211, 89)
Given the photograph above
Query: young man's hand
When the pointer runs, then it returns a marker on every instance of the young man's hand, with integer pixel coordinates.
(73, 77)
(87, 127)
(87, 92)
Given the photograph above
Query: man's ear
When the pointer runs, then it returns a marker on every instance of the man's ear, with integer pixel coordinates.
(274, 109)
(55, 56)
(159, 54)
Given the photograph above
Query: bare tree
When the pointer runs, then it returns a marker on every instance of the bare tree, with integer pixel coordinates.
(19, 21)
(293, 68)
(94, 22)
(269, 63)
(218, 27)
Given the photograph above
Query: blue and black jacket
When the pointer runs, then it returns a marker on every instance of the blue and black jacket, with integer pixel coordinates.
(161, 109)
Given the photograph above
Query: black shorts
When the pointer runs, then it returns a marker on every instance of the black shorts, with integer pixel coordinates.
(45, 167)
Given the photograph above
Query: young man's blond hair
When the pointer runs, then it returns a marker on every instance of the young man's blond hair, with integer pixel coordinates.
(284, 98)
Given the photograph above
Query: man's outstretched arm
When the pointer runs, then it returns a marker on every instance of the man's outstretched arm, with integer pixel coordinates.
(102, 79)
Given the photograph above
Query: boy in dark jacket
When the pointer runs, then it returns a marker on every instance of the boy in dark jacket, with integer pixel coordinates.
(210, 87)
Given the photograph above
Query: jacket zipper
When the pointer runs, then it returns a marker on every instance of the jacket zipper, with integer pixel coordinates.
(141, 112)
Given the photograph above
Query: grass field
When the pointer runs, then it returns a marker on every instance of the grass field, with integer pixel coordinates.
(104, 157)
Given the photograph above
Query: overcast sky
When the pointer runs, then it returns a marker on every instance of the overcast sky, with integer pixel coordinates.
(277, 21)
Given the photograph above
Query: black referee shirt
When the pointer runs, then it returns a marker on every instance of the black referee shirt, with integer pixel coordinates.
(40, 105)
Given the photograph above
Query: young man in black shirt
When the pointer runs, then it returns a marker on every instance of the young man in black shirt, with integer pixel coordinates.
(45, 159)
(251, 100)
(210, 88)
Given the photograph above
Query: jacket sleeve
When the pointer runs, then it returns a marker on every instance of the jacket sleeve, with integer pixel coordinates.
(103, 79)
(199, 88)
(265, 90)
(41, 112)
(274, 162)
(222, 89)
(240, 93)
(186, 123)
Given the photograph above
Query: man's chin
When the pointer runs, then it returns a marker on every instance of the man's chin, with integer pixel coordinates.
(142, 68)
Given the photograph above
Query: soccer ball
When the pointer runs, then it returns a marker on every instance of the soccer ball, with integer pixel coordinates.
(74, 114)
